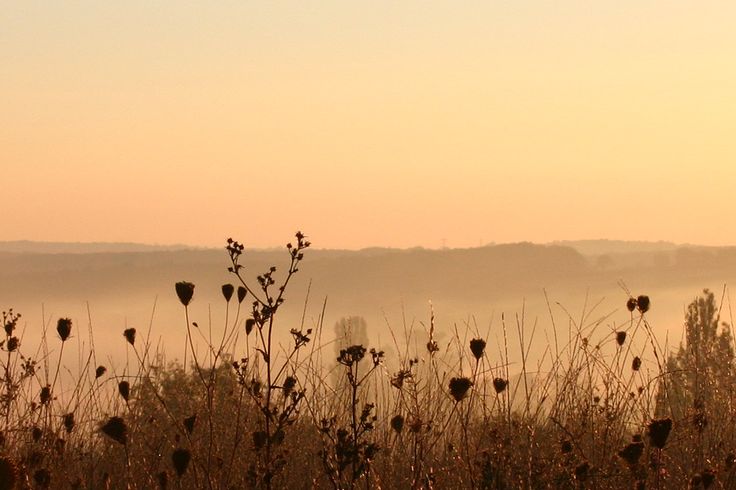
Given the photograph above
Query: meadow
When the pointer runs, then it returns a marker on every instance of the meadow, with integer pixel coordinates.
(601, 404)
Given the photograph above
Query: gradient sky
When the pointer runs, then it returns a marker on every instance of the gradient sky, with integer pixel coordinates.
(377, 123)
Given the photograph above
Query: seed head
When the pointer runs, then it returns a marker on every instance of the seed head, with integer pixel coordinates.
(459, 388)
(500, 384)
(12, 344)
(659, 431)
(42, 478)
(180, 458)
(163, 480)
(189, 423)
(620, 337)
(566, 446)
(36, 433)
(249, 324)
(227, 291)
(632, 452)
(242, 292)
(64, 328)
(100, 371)
(45, 395)
(642, 302)
(69, 421)
(124, 390)
(631, 304)
(477, 347)
(636, 363)
(397, 423)
(581, 471)
(116, 430)
(129, 335)
(708, 478)
(185, 291)
(9, 473)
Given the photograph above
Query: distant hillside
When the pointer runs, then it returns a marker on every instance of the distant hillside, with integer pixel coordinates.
(603, 247)
(27, 246)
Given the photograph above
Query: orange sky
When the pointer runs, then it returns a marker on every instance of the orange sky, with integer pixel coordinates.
(367, 123)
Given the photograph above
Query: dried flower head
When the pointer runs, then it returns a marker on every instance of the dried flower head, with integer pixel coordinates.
(642, 303)
(620, 337)
(163, 480)
(9, 473)
(115, 429)
(581, 471)
(249, 324)
(631, 304)
(708, 478)
(459, 388)
(432, 347)
(636, 363)
(36, 433)
(632, 452)
(659, 431)
(565, 446)
(42, 477)
(227, 291)
(100, 371)
(180, 458)
(397, 423)
(185, 291)
(189, 423)
(64, 328)
(129, 335)
(242, 292)
(12, 344)
(124, 390)
(45, 394)
(69, 421)
(500, 384)
(477, 347)
(289, 385)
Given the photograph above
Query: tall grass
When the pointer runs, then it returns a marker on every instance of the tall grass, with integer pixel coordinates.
(247, 412)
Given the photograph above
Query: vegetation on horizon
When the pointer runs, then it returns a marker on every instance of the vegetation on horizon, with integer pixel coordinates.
(604, 407)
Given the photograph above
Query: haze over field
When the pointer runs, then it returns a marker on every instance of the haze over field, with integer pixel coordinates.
(390, 288)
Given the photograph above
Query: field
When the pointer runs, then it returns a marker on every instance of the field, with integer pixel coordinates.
(601, 404)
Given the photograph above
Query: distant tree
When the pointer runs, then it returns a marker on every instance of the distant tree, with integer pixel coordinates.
(698, 379)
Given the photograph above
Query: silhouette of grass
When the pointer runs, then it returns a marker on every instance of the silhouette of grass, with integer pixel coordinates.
(437, 412)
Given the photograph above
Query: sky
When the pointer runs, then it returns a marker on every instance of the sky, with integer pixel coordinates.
(376, 123)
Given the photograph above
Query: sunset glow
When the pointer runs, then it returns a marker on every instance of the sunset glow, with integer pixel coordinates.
(368, 123)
